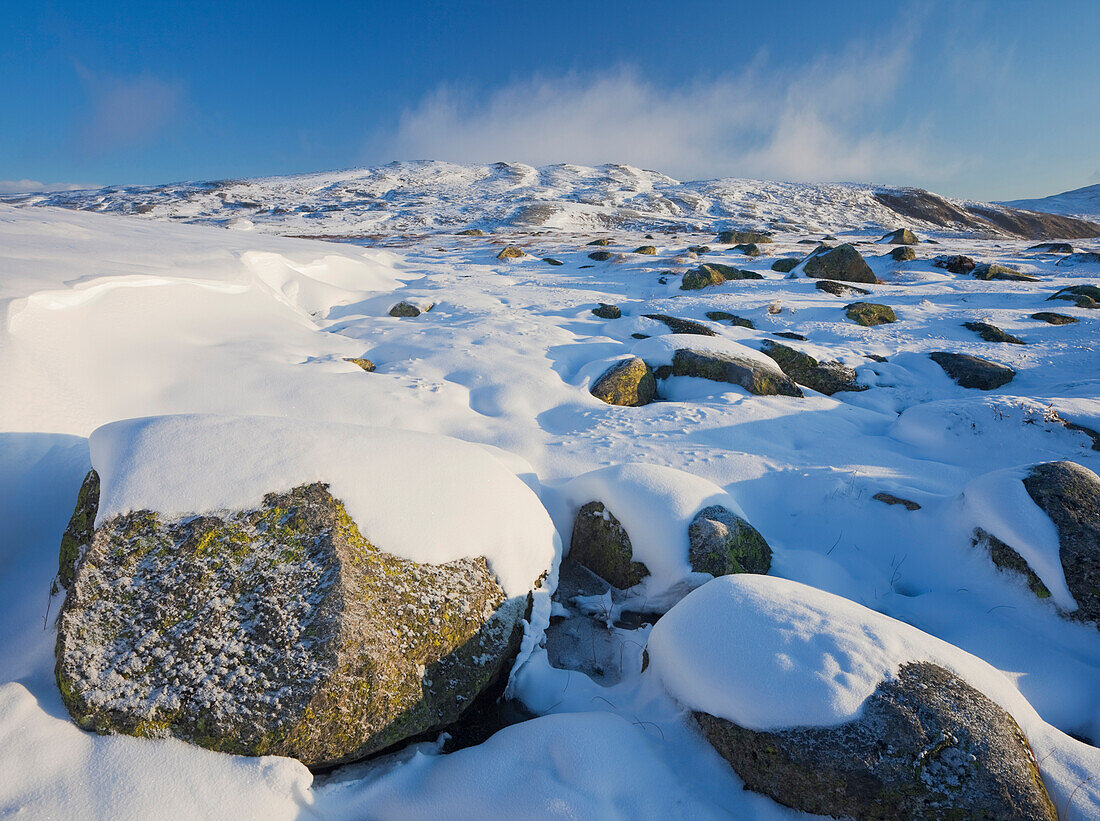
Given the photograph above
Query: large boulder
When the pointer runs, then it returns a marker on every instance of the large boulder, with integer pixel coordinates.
(902, 236)
(973, 371)
(824, 377)
(1080, 258)
(751, 374)
(629, 383)
(600, 543)
(277, 630)
(842, 263)
(600, 256)
(721, 542)
(903, 253)
(927, 745)
(714, 273)
(1052, 248)
(785, 265)
(736, 237)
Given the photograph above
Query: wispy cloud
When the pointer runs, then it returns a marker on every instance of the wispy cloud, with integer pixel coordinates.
(127, 111)
(818, 122)
(27, 186)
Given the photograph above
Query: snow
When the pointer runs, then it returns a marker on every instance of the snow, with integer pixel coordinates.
(105, 317)
(1080, 202)
(426, 498)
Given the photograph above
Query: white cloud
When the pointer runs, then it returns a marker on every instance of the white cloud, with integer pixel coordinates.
(127, 111)
(823, 121)
(27, 186)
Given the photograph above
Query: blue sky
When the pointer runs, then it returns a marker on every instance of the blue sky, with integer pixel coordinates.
(988, 100)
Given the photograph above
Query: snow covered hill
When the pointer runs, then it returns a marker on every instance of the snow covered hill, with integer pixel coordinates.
(1080, 202)
(418, 197)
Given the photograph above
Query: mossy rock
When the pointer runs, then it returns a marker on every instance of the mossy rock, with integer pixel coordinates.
(721, 542)
(649, 250)
(472, 232)
(600, 256)
(991, 333)
(601, 242)
(903, 253)
(749, 249)
(1008, 559)
(629, 383)
(754, 376)
(732, 319)
(1052, 318)
(902, 236)
(870, 314)
(992, 271)
(825, 377)
(702, 277)
(78, 533)
(511, 252)
(682, 326)
(955, 263)
(600, 543)
(785, 265)
(831, 286)
(973, 371)
(365, 364)
(276, 631)
(926, 746)
(738, 237)
(842, 263)
(1083, 296)
(698, 249)
(605, 311)
(407, 309)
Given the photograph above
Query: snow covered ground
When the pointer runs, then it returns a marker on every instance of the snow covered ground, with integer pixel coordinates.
(1080, 202)
(107, 317)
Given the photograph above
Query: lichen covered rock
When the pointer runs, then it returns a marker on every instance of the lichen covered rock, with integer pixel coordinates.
(955, 263)
(648, 250)
(870, 314)
(630, 383)
(751, 374)
(363, 363)
(721, 542)
(682, 326)
(78, 533)
(991, 333)
(785, 265)
(606, 311)
(408, 309)
(735, 237)
(842, 263)
(902, 236)
(903, 253)
(973, 371)
(511, 252)
(600, 256)
(991, 271)
(279, 630)
(1083, 296)
(600, 543)
(926, 745)
(825, 377)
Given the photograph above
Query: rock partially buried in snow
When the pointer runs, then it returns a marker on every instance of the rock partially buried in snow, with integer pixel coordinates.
(1083, 296)
(903, 253)
(825, 377)
(751, 374)
(600, 543)
(973, 371)
(682, 326)
(303, 623)
(869, 314)
(511, 252)
(991, 333)
(785, 265)
(736, 237)
(721, 542)
(408, 309)
(1080, 258)
(842, 263)
(991, 271)
(648, 250)
(606, 311)
(1052, 318)
(831, 286)
(902, 236)
(955, 263)
(363, 363)
(600, 256)
(629, 383)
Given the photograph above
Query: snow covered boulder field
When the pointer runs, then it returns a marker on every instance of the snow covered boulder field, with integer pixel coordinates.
(509, 492)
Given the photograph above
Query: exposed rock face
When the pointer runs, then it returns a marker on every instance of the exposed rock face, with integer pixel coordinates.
(628, 383)
(721, 542)
(903, 253)
(842, 263)
(735, 237)
(751, 374)
(1007, 558)
(891, 499)
(600, 256)
(1052, 248)
(1083, 296)
(408, 309)
(749, 249)
(1070, 495)
(869, 314)
(78, 533)
(275, 631)
(732, 319)
(646, 249)
(990, 271)
(785, 265)
(511, 252)
(601, 544)
(831, 286)
(927, 745)
(824, 377)
(605, 311)
(365, 364)
(955, 264)
(973, 371)
(682, 326)
(902, 236)
(991, 333)
(714, 273)
(1052, 318)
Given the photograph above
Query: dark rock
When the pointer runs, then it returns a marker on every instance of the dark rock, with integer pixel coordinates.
(903, 253)
(639, 336)
(870, 313)
(902, 236)
(926, 746)
(1008, 559)
(682, 326)
(699, 249)
(629, 383)
(751, 374)
(824, 377)
(891, 499)
(408, 309)
(605, 311)
(955, 264)
(472, 232)
(552, 261)
(600, 543)
(749, 249)
(1052, 318)
(991, 333)
(842, 263)
(721, 542)
(701, 277)
(1083, 296)
(831, 286)
(365, 364)
(511, 252)
(1052, 248)
(359, 648)
(600, 256)
(646, 249)
(1080, 258)
(735, 237)
(973, 371)
(789, 335)
(78, 533)
(785, 265)
(990, 271)
(602, 242)
(733, 319)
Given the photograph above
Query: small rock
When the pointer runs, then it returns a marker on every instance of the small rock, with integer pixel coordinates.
(510, 252)
(903, 253)
(991, 333)
(831, 286)
(789, 335)
(1083, 296)
(365, 364)
(552, 261)
(891, 499)
(973, 371)
(605, 311)
(842, 263)
(987, 271)
(902, 236)
(870, 313)
(603, 242)
(472, 232)
(785, 265)
(600, 256)
(733, 319)
(600, 543)
(646, 249)
(408, 309)
(749, 249)
(682, 326)
(629, 383)
(1052, 318)
(699, 249)
(721, 542)
(956, 264)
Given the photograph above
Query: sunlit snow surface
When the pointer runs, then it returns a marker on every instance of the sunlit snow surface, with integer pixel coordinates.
(107, 318)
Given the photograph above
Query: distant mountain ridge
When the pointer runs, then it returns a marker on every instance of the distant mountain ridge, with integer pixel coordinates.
(1083, 203)
(431, 196)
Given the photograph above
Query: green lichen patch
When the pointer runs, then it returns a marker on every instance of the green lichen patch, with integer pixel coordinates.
(869, 314)
(721, 542)
(78, 533)
(1008, 559)
(600, 543)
